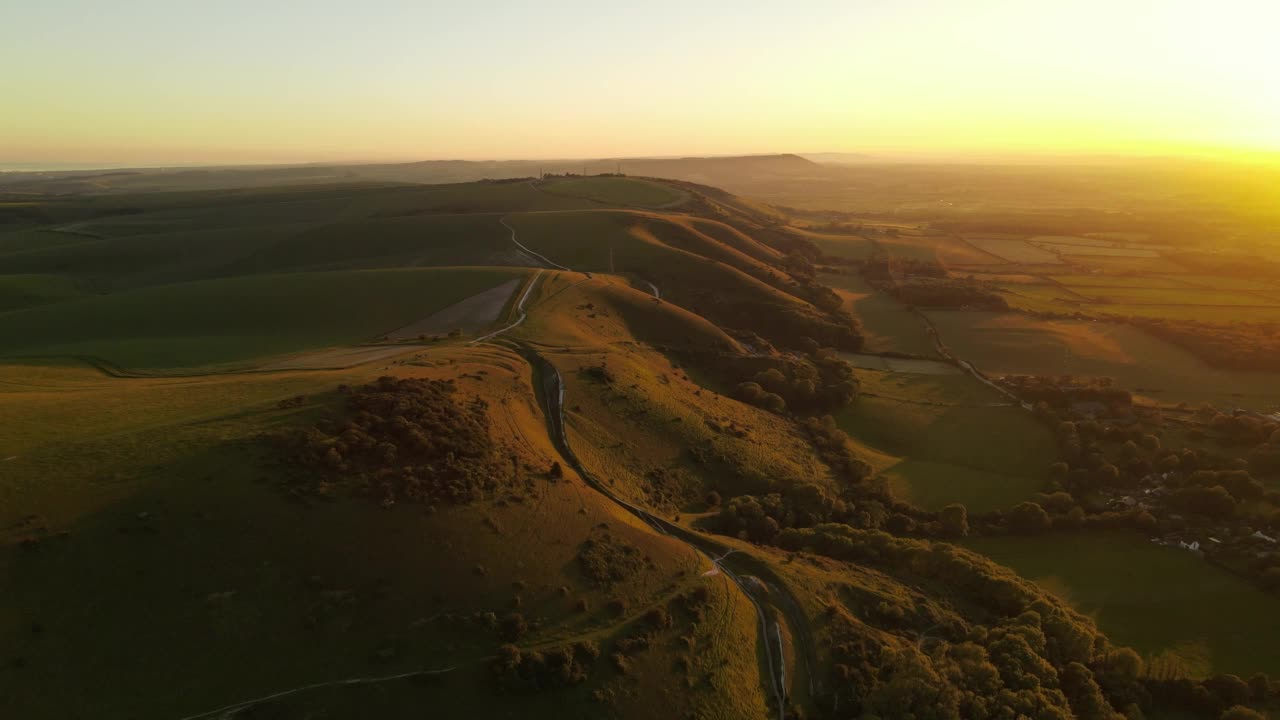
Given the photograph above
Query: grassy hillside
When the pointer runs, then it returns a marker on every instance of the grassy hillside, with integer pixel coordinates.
(726, 285)
(225, 321)
(19, 291)
(887, 324)
(185, 536)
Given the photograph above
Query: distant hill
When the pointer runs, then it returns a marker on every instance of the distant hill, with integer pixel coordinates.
(706, 170)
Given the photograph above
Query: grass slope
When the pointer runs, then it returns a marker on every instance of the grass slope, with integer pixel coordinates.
(185, 581)
(225, 321)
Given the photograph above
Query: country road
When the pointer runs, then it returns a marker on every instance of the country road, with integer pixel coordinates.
(773, 670)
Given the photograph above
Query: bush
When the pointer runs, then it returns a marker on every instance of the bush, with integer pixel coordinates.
(513, 627)
(1029, 518)
(955, 520)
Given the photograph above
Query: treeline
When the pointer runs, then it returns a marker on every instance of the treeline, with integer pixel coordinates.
(924, 283)
(820, 381)
(1065, 391)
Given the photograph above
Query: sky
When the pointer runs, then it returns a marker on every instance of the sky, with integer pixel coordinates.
(237, 81)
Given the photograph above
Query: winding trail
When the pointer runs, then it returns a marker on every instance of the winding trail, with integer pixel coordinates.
(521, 314)
(775, 678)
(540, 258)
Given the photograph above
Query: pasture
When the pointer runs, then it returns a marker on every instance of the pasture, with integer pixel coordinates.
(1162, 601)
(853, 247)
(1015, 251)
(1008, 343)
(887, 324)
(19, 291)
(949, 439)
(221, 322)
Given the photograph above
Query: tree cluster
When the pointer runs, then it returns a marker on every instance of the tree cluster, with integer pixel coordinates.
(397, 439)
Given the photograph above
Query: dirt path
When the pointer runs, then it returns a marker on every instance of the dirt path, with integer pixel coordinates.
(774, 674)
(527, 251)
(474, 313)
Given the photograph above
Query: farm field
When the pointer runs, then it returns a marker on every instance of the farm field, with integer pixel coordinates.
(218, 322)
(19, 291)
(1088, 282)
(887, 324)
(942, 430)
(1071, 249)
(1171, 296)
(1151, 597)
(853, 247)
(1007, 343)
(900, 365)
(1015, 251)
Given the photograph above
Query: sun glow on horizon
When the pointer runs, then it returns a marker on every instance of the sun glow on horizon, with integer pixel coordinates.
(155, 82)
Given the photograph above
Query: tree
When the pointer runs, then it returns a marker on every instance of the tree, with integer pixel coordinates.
(1228, 688)
(1213, 502)
(955, 520)
(513, 627)
(1029, 517)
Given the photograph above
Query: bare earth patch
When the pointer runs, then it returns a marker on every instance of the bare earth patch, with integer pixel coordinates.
(476, 312)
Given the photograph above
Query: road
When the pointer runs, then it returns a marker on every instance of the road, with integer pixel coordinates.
(774, 674)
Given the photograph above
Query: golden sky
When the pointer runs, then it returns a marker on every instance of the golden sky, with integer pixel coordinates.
(238, 81)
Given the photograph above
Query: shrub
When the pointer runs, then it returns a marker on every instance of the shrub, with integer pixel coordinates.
(1028, 517)
(955, 520)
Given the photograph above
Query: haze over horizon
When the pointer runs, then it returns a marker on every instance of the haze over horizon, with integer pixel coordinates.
(156, 83)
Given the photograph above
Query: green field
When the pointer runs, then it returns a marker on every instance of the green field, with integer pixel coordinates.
(216, 322)
(1173, 296)
(853, 247)
(1007, 343)
(1153, 598)
(19, 291)
(951, 443)
(887, 324)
